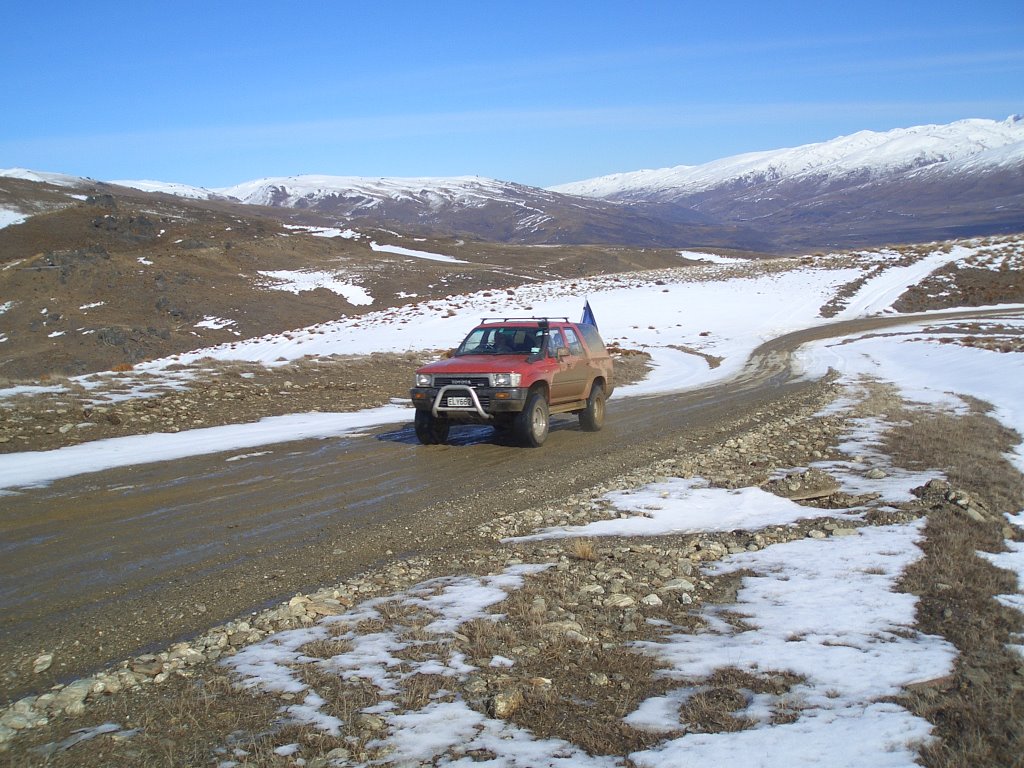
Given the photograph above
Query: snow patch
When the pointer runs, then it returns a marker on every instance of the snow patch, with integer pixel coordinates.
(399, 250)
(309, 280)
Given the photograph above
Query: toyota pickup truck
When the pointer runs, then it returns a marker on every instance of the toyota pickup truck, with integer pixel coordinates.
(514, 373)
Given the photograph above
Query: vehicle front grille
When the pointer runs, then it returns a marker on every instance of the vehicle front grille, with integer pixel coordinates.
(469, 381)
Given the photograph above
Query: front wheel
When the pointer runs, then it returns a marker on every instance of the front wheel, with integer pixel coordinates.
(430, 430)
(531, 425)
(592, 417)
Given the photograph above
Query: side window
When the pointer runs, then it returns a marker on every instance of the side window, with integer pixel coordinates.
(555, 342)
(575, 348)
(594, 343)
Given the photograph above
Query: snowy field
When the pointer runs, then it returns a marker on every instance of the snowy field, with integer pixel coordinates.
(824, 609)
(719, 312)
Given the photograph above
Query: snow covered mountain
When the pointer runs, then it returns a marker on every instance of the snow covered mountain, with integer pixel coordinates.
(910, 184)
(926, 182)
(56, 179)
(922, 183)
(486, 208)
(927, 150)
(367, 192)
(172, 188)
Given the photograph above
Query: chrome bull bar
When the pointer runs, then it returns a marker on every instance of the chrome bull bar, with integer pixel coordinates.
(436, 409)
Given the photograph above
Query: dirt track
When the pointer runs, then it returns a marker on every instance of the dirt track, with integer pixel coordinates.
(149, 554)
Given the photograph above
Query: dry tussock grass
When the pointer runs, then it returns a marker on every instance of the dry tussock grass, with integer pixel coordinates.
(591, 690)
(181, 723)
(345, 696)
(420, 690)
(582, 549)
(485, 638)
(978, 712)
(718, 701)
(326, 649)
(971, 450)
(714, 710)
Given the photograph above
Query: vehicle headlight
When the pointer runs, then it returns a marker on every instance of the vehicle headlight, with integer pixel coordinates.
(423, 380)
(507, 379)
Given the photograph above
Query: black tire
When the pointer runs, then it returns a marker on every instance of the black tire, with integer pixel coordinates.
(592, 417)
(429, 430)
(532, 423)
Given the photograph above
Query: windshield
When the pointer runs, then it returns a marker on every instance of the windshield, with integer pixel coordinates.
(501, 340)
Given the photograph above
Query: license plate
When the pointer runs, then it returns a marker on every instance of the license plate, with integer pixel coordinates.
(459, 402)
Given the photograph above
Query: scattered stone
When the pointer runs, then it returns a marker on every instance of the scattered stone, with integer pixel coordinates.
(504, 705)
(803, 486)
(374, 724)
(71, 698)
(679, 585)
(619, 601)
(562, 627)
(150, 667)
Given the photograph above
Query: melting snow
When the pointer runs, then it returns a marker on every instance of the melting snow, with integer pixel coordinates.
(309, 280)
(347, 234)
(9, 218)
(397, 249)
(215, 323)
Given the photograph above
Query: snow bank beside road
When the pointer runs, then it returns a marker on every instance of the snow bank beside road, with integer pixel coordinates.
(714, 311)
(38, 468)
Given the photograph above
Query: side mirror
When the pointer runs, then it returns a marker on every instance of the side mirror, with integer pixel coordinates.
(562, 353)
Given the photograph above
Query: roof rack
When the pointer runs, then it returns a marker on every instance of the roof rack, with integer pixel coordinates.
(486, 320)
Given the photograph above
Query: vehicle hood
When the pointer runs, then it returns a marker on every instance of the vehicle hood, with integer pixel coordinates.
(476, 364)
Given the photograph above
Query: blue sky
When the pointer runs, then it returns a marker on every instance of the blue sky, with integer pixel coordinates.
(216, 93)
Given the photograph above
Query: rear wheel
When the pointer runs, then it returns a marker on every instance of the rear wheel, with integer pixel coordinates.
(531, 425)
(429, 429)
(592, 417)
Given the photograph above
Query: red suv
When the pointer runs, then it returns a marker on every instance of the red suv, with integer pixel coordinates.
(512, 373)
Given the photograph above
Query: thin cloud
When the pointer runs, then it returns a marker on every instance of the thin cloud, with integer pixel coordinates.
(396, 126)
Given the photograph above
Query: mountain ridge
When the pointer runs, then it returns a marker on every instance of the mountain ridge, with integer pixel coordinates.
(928, 182)
(901, 150)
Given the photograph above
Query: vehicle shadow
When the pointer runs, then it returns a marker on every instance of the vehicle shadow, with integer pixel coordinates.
(462, 435)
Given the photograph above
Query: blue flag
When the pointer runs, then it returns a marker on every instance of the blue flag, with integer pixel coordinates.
(588, 315)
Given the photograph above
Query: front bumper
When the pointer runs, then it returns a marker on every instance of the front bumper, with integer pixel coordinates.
(464, 403)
